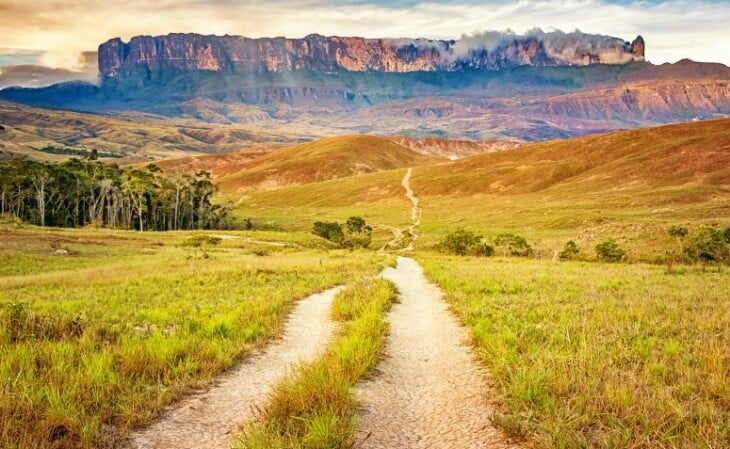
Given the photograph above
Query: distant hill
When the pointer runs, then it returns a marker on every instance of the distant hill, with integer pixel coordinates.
(647, 158)
(631, 185)
(324, 159)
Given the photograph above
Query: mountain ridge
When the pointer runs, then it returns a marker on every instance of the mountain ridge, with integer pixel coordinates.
(330, 54)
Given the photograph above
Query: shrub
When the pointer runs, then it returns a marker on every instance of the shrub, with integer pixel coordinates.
(198, 241)
(359, 234)
(462, 242)
(570, 251)
(329, 230)
(512, 245)
(708, 245)
(609, 251)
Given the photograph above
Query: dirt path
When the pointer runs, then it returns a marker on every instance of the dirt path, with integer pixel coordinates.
(204, 421)
(415, 210)
(430, 392)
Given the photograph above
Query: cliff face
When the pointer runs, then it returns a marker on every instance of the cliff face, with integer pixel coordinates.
(333, 54)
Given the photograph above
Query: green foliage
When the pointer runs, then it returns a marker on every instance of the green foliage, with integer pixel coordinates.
(331, 231)
(465, 243)
(609, 251)
(678, 231)
(79, 192)
(199, 240)
(708, 245)
(512, 245)
(570, 251)
(356, 234)
(359, 233)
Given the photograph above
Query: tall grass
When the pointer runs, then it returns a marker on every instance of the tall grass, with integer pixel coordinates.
(596, 355)
(87, 354)
(314, 408)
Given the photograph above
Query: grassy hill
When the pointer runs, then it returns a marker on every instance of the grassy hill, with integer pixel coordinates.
(128, 139)
(320, 160)
(630, 185)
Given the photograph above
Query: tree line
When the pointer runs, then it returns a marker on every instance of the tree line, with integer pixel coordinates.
(79, 192)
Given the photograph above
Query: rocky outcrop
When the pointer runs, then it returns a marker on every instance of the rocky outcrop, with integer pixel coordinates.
(327, 55)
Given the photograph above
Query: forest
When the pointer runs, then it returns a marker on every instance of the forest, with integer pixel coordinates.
(81, 192)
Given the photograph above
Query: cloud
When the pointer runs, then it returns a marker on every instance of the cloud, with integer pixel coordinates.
(62, 29)
(33, 75)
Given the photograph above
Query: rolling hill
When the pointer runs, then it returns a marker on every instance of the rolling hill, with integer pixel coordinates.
(125, 139)
(630, 184)
(323, 159)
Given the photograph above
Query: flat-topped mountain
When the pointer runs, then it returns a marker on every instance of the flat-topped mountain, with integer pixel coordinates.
(482, 88)
(323, 54)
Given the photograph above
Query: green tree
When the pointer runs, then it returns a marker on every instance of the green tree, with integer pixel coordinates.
(463, 242)
(609, 251)
(708, 245)
(359, 233)
(331, 231)
(570, 251)
(512, 245)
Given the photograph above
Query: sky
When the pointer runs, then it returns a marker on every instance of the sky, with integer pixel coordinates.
(44, 41)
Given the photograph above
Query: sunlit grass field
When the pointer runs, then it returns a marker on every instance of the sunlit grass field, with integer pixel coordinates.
(315, 407)
(598, 355)
(98, 341)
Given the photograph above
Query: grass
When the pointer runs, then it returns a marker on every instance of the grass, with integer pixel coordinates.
(314, 408)
(91, 350)
(598, 355)
(320, 160)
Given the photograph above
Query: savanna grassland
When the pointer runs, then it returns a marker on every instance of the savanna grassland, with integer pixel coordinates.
(597, 355)
(99, 339)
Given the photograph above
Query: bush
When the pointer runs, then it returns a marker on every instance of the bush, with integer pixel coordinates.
(708, 245)
(609, 251)
(513, 245)
(462, 242)
(198, 241)
(359, 234)
(570, 251)
(331, 231)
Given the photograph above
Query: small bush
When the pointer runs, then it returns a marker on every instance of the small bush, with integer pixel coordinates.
(708, 245)
(570, 251)
(331, 231)
(198, 241)
(513, 245)
(462, 242)
(609, 251)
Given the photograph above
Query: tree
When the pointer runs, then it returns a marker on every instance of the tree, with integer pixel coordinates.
(463, 242)
(359, 234)
(708, 245)
(512, 245)
(570, 251)
(331, 231)
(678, 232)
(609, 251)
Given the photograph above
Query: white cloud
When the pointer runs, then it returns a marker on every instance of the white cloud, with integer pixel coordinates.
(62, 29)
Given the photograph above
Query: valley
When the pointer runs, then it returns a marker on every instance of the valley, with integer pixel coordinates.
(505, 240)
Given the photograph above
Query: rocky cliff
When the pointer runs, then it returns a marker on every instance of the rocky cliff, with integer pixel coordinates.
(316, 53)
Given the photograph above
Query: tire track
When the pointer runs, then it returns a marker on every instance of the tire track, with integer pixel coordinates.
(430, 392)
(205, 420)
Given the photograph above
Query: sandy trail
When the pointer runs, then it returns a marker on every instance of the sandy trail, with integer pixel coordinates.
(415, 210)
(204, 421)
(430, 392)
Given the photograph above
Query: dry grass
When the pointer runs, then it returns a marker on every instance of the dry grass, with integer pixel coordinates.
(101, 345)
(320, 160)
(314, 408)
(596, 355)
